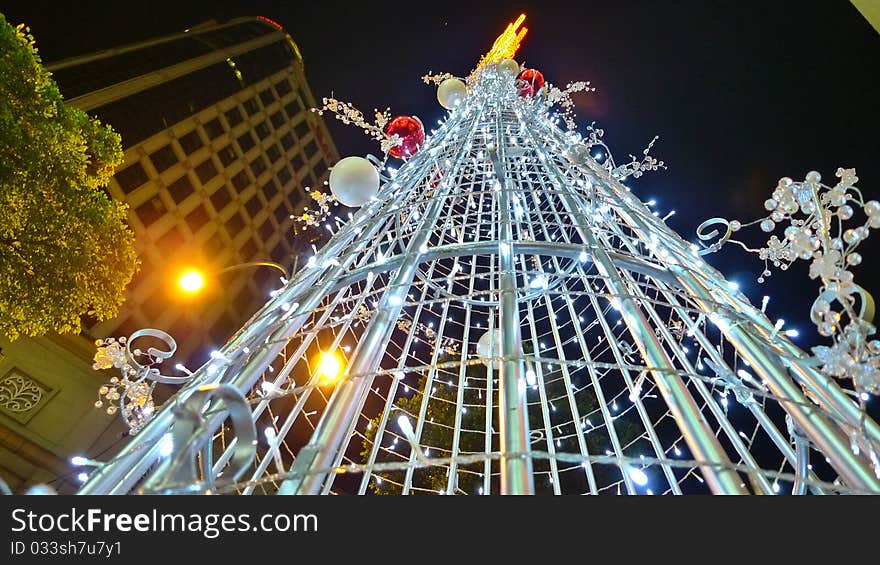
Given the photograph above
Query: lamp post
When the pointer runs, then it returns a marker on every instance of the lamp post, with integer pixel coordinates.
(193, 280)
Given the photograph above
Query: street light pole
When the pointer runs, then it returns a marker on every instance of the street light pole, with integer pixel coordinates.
(192, 280)
(240, 266)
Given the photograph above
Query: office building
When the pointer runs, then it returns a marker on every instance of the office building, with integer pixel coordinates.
(220, 150)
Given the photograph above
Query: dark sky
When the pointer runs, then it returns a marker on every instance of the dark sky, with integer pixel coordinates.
(741, 93)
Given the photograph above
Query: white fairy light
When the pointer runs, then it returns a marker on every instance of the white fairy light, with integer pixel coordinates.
(166, 445)
(638, 476)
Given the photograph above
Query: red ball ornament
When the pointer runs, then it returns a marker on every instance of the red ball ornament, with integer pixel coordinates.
(530, 82)
(411, 133)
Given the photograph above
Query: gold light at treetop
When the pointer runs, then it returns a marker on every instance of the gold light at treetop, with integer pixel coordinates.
(507, 43)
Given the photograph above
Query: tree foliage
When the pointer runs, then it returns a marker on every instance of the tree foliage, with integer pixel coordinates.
(65, 249)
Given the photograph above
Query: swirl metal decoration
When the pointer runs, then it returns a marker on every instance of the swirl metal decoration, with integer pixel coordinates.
(131, 394)
(712, 248)
(197, 419)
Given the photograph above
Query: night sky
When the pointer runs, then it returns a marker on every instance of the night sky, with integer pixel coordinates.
(741, 93)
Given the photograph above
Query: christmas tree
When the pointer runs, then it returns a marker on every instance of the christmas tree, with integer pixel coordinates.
(502, 315)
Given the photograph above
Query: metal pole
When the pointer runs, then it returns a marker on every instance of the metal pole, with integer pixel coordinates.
(516, 472)
(317, 456)
(720, 476)
(812, 420)
(124, 470)
(241, 266)
(311, 466)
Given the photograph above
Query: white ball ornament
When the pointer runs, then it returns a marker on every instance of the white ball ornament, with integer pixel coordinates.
(451, 93)
(508, 67)
(485, 350)
(354, 181)
(577, 153)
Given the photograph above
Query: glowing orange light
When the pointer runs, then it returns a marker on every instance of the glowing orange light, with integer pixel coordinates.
(507, 43)
(191, 281)
(330, 367)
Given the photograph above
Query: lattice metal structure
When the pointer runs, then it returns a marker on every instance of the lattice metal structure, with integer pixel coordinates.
(618, 361)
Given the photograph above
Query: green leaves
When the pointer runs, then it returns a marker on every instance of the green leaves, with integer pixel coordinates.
(65, 249)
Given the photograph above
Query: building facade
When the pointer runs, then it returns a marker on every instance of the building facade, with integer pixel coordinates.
(221, 149)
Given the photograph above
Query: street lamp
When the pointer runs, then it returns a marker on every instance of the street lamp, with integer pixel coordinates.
(329, 367)
(192, 280)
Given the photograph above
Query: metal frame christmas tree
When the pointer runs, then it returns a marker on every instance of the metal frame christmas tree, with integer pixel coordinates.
(502, 315)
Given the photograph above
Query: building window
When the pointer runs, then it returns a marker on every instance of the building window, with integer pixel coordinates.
(220, 199)
(310, 149)
(281, 214)
(273, 153)
(284, 176)
(151, 210)
(131, 177)
(258, 165)
(172, 240)
(301, 129)
(249, 249)
(282, 87)
(197, 218)
(254, 206)
(227, 155)
(297, 162)
(262, 130)
(269, 190)
(266, 230)
(245, 142)
(267, 97)
(287, 141)
(279, 253)
(277, 119)
(206, 171)
(320, 168)
(214, 245)
(291, 109)
(213, 129)
(251, 107)
(234, 117)
(154, 306)
(181, 189)
(234, 225)
(191, 142)
(240, 181)
(163, 159)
